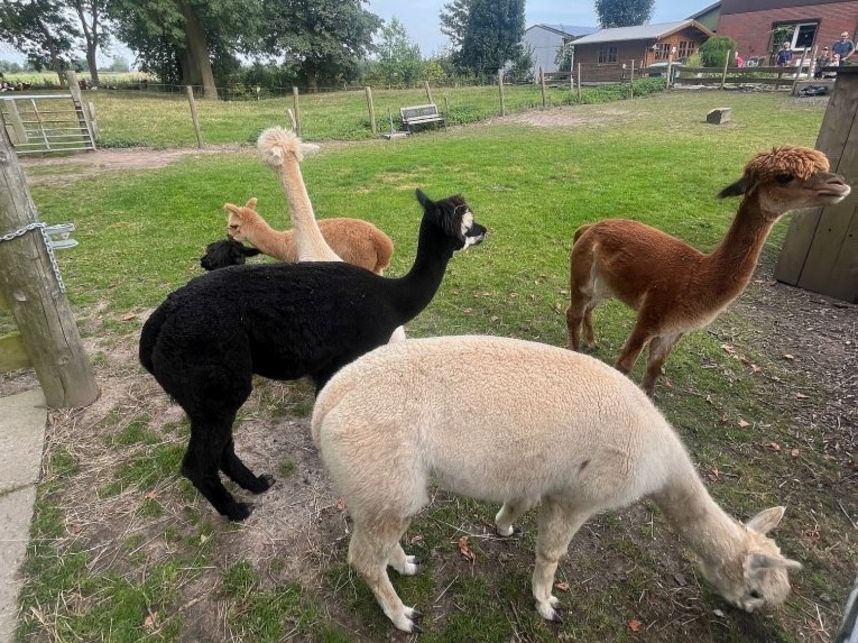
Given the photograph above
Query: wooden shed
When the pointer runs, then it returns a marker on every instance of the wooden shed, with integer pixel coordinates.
(820, 252)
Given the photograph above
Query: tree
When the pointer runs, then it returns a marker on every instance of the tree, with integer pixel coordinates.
(713, 52)
(325, 38)
(119, 64)
(623, 13)
(454, 21)
(90, 14)
(493, 36)
(41, 30)
(399, 58)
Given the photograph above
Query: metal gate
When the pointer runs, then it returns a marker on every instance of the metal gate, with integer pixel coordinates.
(39, 123)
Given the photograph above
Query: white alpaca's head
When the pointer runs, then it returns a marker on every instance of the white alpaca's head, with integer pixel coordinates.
(756, 575)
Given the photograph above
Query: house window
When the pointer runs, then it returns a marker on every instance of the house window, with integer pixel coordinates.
(799, 35)
(686, 48)
(662, 51)
(607, 55)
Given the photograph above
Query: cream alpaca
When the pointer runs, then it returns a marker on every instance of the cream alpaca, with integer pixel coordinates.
(676, 288)
(519, 423)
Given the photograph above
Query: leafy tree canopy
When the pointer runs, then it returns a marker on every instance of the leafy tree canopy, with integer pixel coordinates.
(493, 37)
(623, 13)
(713, 52)
(399, 58)
(41, 29)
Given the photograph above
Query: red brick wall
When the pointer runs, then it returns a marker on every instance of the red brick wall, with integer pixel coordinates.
(752, 30)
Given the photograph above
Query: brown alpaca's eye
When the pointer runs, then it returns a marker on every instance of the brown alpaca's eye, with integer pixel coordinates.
(783, 179)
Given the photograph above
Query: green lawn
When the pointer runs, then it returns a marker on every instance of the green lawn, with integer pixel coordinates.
(123, 549)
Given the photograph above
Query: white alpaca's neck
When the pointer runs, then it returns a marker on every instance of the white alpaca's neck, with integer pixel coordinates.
(713, 535)
(309, 242)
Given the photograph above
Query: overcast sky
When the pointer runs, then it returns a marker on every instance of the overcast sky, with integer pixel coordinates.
(423, 25)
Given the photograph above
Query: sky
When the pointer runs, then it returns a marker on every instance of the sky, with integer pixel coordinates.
(420, 18)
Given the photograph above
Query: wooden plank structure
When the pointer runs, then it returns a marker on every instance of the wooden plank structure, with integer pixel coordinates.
(820, 252)
(48, 338)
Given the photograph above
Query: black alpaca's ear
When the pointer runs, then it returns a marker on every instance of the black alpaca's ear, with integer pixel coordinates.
(423, 200)
(734, 189)
(250, 252)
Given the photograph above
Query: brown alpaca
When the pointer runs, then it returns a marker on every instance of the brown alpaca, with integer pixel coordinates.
(353, 240)
(674, 287)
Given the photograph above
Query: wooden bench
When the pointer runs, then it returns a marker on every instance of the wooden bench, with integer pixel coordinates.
(420, 115)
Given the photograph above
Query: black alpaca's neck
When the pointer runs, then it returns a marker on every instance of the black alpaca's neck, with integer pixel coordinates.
(414, 291)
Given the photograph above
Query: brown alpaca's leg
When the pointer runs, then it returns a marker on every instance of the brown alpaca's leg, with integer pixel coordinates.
(659, 348)
(589, 336)
(370, 550)
(558, 522)
(634, 345)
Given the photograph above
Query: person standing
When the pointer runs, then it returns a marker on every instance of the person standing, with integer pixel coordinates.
(784, 55)
(822, 60)
(844, 47)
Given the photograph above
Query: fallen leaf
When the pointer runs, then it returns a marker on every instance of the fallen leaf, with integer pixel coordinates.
(801, 396)
(728, 349)
(635, 625)
(788, 356)
(203, 538)
(149, 495)
(129, 316)
(416, 538)
(561, 586)
(774, 446)
(680, 579)
(743, 423)
(465, 550)
(795, 453)
(341, 504)
(755, 368)
(714, 474)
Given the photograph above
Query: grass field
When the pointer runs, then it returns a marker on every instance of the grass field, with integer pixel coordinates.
(129, 118)
(124, 550)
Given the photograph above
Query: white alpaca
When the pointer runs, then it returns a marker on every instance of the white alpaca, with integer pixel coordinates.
(519, 423)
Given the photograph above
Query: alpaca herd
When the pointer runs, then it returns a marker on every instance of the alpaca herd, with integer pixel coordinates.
(543, 425)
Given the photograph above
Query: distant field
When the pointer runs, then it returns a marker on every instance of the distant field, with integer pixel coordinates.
(42, 78)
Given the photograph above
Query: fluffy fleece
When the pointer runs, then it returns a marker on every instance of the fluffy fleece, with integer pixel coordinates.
(676, 288)
(283, 321)
(519, 423)
(226, 252)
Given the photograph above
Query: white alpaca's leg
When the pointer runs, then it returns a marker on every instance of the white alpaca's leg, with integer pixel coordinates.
(511, 511)
(398, 335)
(402, 562)
(558, 522)
(369, 551)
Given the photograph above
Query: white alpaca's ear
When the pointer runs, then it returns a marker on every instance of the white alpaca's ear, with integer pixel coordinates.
(764, 561)
(309, 148)
(766, 520)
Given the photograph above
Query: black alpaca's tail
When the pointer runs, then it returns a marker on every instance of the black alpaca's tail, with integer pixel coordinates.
(149, 334)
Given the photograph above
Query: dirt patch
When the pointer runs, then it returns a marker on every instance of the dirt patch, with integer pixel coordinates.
(60, 170)
(568, 117)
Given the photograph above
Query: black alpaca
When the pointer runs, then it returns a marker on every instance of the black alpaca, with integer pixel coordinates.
(283, 321)
(226, 252)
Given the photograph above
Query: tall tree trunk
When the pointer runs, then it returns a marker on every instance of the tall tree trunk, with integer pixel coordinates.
(91, 61)
(198, 48)
(91, 35)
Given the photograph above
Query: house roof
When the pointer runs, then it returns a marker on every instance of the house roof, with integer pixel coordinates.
(566, 30)
(640, 32)
(705, 10)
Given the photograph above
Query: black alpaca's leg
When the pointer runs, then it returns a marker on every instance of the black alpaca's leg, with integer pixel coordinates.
(200, 466)
(238, 472)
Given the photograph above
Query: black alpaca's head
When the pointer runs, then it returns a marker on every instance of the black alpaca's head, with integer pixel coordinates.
(226, 252)
(453, 216)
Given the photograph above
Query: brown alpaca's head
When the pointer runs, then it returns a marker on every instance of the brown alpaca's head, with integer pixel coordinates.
(238, 217)
(789, 178)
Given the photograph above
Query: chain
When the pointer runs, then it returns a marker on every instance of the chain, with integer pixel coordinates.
(39, 225)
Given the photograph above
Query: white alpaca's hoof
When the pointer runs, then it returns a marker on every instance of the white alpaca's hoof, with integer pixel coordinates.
(505, 531)
(555, 602)
(410, 569)
(548, 612)
(404, 621)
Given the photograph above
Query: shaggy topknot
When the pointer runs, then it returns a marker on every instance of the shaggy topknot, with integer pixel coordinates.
(801, 162)
(274, 142)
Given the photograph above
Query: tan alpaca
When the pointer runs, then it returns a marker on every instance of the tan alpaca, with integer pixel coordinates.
(354, 241)
(674, 287)
(519, 423)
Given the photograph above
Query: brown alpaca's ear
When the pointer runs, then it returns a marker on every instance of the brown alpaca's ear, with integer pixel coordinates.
(251, 203)
(232, 209)
(734, 189)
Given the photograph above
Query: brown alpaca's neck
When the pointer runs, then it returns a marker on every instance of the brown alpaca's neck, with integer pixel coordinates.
(731, 265)
(268, 240)
(309, 242)
(713, 535)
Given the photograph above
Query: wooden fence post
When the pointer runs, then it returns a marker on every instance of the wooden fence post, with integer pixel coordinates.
(296, 111)
(632, 80)
(93, 118)
(542, 84)
(17, 124)
(500, 91)
(80, 108)
(726, 64)
(428, 91)
(579, 81)
(194, 117)
(669, 70)
(371, 108)
(40, 308)
(798, 71)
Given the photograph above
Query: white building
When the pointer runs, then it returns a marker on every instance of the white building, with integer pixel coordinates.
(545, 40)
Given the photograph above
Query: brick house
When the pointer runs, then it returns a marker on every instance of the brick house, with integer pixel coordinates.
(760, 26)
(645, 44)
